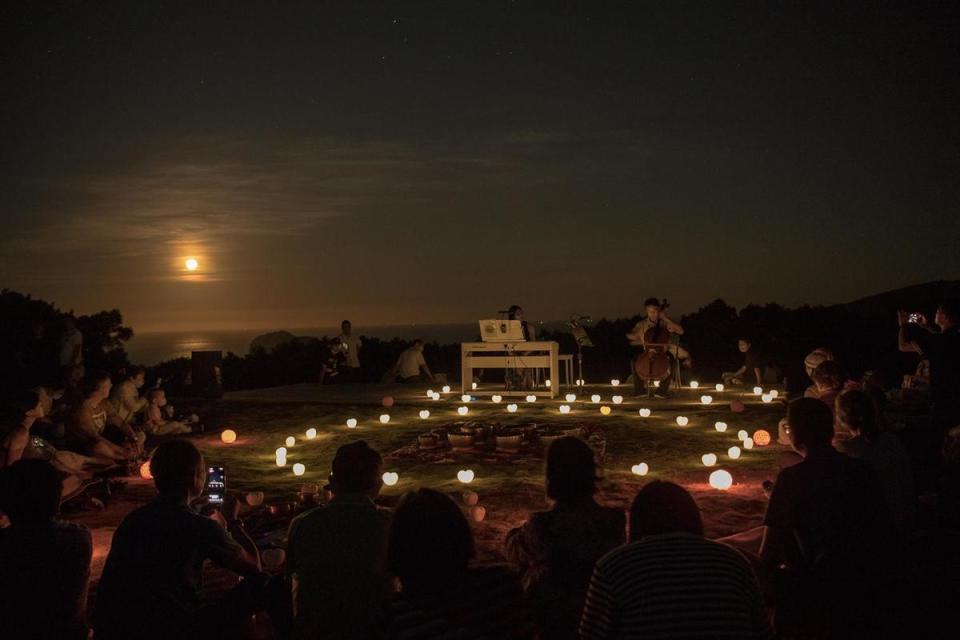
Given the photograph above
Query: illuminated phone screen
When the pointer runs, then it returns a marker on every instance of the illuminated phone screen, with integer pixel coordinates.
(216, 485)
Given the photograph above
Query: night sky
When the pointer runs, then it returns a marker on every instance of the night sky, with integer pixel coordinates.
(398, 162)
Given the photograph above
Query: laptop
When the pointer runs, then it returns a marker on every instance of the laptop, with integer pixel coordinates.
(501, 331)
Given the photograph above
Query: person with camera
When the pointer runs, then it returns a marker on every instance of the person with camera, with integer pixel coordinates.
(940, 344)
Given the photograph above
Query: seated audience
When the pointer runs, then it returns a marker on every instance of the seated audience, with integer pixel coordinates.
(411, 366)
(828, 533)
(828, 380)
(810, 363)
(94, 420)
(556, 549)
(150, 585)
(44, 562)
(336, 552)
(856, 412)
(125, 396)
(441, 595)
(670, 581)
(154, 422)
(50, 426)
(751, 372)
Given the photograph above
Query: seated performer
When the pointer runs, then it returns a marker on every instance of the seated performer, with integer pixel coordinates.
(637, 337)
(751, 373)
(411, 365)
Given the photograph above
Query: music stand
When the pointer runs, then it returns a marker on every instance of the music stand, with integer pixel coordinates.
(583, 340)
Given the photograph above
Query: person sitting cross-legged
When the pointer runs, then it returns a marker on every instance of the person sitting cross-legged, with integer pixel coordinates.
(44, 562)
(556, 549)
(670, 581)
(150, 587)
(336, 552)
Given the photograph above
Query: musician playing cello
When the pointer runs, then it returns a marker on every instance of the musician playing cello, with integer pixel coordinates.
(656, 321)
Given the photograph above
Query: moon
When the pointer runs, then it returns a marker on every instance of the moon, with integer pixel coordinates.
(191, 264)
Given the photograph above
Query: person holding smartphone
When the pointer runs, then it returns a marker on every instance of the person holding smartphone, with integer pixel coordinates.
(150, 586)
(940, 344)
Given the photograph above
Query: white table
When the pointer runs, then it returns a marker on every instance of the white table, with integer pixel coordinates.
(509, 355)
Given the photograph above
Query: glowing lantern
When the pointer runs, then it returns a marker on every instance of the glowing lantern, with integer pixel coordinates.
(742, 435)
(531, 398)
(641, 469)
(470, 498)
(579, 382)
(564, 408)
(605, 410)
(708, 459)
(748, 443)
(281, 452)
(721, 479)
(718, 387)
(761, 437)
(720, 426)
(254, 498)
(757, 391)
(391, 478)
(774, 393)
(595, 398)
(228, 436)
(299, 469)
(465, 398)
(430, 394)
(733, 452)
(387, 401)
(497, 398)
(736, 406)
(548, 383)
(435, 396)
(617, 399)
(311, 433)
(767, 398)
(694, 384)
(424, 414)
(384, 418)
(706, 399)
(463, 410)
(571, 397)
(290, 441)
(644, 413)
(682, 421)
(465, 476)
(473, 385)
(281, 461)
(145, 471)
(446, 388)
(351, 423)
(191, 264)
(512, 408)
(614, 383)
(478, 513)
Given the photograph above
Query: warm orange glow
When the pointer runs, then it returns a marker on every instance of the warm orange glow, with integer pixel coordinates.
(191, 264)
(761, 437)
(145, 471)
(228, 436)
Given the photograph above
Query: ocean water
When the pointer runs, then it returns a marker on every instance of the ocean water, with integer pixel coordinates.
(149, 348)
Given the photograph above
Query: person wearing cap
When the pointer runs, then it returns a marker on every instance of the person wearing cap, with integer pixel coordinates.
(336, 553)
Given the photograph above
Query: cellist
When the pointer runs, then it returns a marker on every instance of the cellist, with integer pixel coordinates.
(655, 317)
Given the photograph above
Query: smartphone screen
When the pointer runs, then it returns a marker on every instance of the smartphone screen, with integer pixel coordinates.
(914, 317)
(216, 485)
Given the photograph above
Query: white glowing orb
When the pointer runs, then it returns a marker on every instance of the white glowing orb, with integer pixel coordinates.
(617, 399)
(767, 398)
(720, 426)
(282, 452)
(446, 388)
(644, 413)
(694, 384)
(465, 398)
(512, 408)
(641, 469)
(570, 397)
(390, 478)
(718, 387)
(774, 393)
(580, 382)
(721, 479)
(299, 469)
(191, 264)
(656, 384)
(497, 398)
(742, 435)
(708, 459)
(757, 391)
(615, 383)
(290, 441)
(311, 433)
(706, 399)
(424, 414)
(595, 397)
(465, 476)
(564, 408)
(748, 443)
(281, 461)
(384, 418)
(351, 423)
(531, 398)
(435, 396)
(548, 383)
(473, 385)
(682, 420)
(463, 410)
(430, 393)
(733, 452)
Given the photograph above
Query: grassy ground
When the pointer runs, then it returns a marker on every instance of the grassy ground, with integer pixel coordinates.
(508, 490)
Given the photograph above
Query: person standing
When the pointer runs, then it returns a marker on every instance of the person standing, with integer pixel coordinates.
(941, 347)
(71, 344)
(350, 346)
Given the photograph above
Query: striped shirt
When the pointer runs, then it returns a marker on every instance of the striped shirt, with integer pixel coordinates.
(674, 585)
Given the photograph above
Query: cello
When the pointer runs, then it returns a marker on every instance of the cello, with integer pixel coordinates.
(654, 362)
